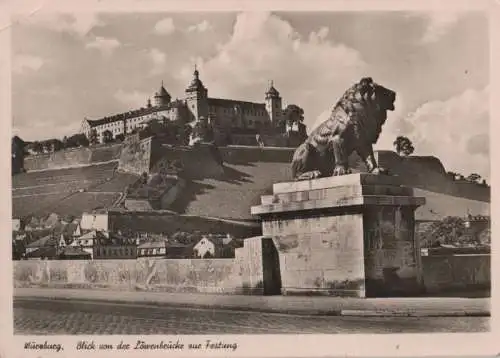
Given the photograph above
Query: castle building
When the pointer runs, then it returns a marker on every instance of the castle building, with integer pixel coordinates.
(225, 115)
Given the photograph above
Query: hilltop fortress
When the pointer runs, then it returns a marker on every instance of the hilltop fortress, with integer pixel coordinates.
(231, 119)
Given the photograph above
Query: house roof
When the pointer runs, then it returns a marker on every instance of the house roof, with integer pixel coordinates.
(231, 103)
(131, 114)
(43, 242)
(74, 251)
(152, 244)
(42, 252)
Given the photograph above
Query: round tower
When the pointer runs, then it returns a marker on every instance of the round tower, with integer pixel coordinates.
(162, 97)
(273, 103)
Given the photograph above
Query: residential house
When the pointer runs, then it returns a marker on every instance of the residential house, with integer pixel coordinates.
(74, 253)
(152, 249)
(115, 247)
(44, 248)
(95, 221)
(52, 220)
(16, 224)
(204, 248)
(176, 250)
(86, 241)
(34, 224)
(46, 241)
(216, 246)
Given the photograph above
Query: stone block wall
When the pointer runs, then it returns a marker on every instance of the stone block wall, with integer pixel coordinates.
(456, 272)
(228, 276)
(323, 252)
(72, 158)
(136, 157)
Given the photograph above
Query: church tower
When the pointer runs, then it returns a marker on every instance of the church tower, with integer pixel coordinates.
(197, 97)
(162, 97)
(273, 104)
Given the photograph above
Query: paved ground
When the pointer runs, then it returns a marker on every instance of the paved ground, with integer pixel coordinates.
(43, 316)
(420, 306)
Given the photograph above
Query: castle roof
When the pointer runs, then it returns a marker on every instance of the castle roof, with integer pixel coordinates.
(196, 84)
(231, 103)
(132, 114)
(272, 92)
(162, 92)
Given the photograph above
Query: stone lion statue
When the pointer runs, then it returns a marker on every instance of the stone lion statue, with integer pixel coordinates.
(353, 126)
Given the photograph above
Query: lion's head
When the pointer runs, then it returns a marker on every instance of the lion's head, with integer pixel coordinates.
(369, 101)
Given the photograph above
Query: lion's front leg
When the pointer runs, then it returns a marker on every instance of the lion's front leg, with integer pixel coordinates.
(368, 158)
(341, 156)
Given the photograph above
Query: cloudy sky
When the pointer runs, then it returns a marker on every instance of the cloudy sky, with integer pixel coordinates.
(66, 67)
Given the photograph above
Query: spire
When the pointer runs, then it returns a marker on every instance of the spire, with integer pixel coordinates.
(196, 73)
(272, 92)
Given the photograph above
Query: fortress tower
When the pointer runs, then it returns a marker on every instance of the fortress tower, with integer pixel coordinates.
(162, 97)
(273, 104)
(196, 97)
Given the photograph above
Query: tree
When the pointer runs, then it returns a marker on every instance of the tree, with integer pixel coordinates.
(76, 140)
(447, 231)
(93, 137)
(37, 147)
(292, 114)
(404, 146)
(107, 136)
(474, 178)
(120, 137)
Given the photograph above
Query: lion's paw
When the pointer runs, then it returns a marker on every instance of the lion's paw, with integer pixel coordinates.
(309, 175)
(380, 171)
(340, 170)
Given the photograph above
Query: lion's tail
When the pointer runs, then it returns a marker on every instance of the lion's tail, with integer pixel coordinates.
(300, 160)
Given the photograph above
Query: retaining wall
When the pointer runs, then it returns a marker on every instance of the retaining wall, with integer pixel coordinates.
(456, 272)
(72, 158)
(227, 276)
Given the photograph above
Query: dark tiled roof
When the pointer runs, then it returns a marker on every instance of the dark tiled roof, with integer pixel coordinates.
(162, 93)
(152, 244)
(43, 252)
(74, 251)
(132, 114)
(43, 242)
(273, 92)
(230, 103)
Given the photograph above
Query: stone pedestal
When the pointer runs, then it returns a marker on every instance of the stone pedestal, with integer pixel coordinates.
(351, 235)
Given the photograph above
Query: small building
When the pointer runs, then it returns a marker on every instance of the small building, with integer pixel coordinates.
(94, 221)
(16, 224)
(176, 250)
(204, 248)
(43, 253)
(115, 247)
(86, 241)
(152, 249)
(44, 242)
(74, 253)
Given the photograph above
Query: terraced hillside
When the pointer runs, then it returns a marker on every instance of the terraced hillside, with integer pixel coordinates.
(249, 172)
(67, 191)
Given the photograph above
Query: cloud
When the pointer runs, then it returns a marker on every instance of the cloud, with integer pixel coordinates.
(455, 130)
(79, 23)
(159, 59)
(104, 44)
(263, 47)
(133, 99)
(438, 24)
(165, 26)
(24, 63)
(200, 27)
